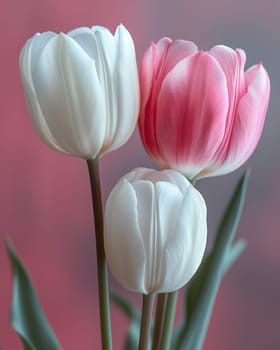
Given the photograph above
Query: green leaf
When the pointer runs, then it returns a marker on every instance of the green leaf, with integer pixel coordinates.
(204, 287)
(180, 331)
(27, 317)
(128, 308)
(178, 334)
(132, 337)
(234, 253)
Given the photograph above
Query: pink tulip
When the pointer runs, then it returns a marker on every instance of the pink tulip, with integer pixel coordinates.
(201, 114)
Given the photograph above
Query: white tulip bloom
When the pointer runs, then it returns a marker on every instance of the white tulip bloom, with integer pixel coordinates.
(155, 230)
(82, 89)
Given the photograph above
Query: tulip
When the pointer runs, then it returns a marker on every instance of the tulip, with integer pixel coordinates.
(200, 114)
(82, 89)
(155, 230)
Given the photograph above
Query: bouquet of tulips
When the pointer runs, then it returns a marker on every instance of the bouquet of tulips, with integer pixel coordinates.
(199, 115)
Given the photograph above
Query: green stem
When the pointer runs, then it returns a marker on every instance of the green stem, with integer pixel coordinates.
(146, 320)
(103, 289)
(159, 320)
(168, 322)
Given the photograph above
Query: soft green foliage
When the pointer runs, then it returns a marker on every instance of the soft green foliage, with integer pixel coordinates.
(129, 309)
(132, 337)
(201, 294)
(27, 317)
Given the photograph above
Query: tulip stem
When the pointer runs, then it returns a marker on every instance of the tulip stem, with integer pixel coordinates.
(146, 320)
(168, 321)
(103, 289)
(159, 320)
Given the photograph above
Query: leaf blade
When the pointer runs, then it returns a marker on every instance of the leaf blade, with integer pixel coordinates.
(127, 307)
(205, 284)
(27, 316)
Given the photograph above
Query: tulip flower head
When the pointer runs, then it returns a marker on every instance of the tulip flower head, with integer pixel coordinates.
(82, 89)
(201, 114)
(155, 230)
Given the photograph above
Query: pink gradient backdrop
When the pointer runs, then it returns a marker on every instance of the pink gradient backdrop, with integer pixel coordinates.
(44, 196)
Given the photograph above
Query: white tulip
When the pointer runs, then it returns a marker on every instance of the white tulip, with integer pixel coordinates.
(82, 89)
(155, 230)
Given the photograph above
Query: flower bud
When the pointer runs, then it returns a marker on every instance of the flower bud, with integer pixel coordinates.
(201, 114)
(155, 230)
(82, 89)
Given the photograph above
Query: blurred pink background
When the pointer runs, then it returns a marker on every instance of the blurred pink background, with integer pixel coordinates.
(44, 196)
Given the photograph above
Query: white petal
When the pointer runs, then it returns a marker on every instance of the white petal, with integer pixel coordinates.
(146, 209)
(31, 52)
(177, 179)
(186, 244)
(126, 87)
(154, 176)
(100, 28)
(28, 61)
(107, 61)
(122, 237)
(168, 201)
(100, 45)
(86, 39)
(70, 97)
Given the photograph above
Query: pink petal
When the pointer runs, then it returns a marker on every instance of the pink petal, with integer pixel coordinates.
(174, 53)
(191, 115)
(249, 119)
(146, 81)
(232, 63)
(158, 60)
(149, 66)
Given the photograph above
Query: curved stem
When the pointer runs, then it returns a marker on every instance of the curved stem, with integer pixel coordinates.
(146, 319)
(159, 320)
(103, 289)
(168, 322)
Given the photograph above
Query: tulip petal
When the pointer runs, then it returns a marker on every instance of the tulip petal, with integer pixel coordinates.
(28, 61)
(232, 63)
(157, 62)
(32, 51)
(249, 119)
(168, 202)
(186, 243)
(116, 66)
(86, 39)
(168, 55)
(154, 176)
(189, 127)
(125, 86)
(69, 94)
(106, 46)
(91, 42)
(123, 241)
(176, 179)
(157, 210)
(146, 210)
(149, 67)
(159, 59)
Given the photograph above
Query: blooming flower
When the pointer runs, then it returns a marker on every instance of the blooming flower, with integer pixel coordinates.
(201, 114)
(82, 89)
(155, 230)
